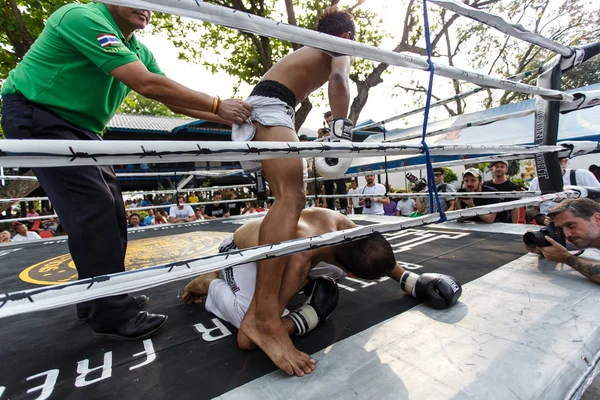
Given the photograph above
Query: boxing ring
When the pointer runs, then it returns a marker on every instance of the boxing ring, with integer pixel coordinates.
(523, 328)
(379, 342)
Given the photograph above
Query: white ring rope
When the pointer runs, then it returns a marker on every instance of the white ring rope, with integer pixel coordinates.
(441, 194)
(211, 174)
(17, 178)
(265, 27)
(55, 153)
(143, 193)
(514, 30)
(196, 189)
(21, 219)
(40, 299)
(463, 125)
(459, 96)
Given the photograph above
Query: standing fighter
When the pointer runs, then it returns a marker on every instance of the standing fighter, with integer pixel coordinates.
(68, 86)
(273, 102)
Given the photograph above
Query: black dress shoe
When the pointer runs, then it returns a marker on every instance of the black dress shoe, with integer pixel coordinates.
(142, 326)
(83, 314)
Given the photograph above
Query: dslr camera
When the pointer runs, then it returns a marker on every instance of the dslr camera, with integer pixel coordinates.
(418, 184)
(367, 203)
(538, 239)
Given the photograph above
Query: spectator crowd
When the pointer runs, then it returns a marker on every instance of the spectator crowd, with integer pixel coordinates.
(370, 198)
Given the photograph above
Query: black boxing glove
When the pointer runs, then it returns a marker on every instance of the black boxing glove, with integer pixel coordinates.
(323, 295)
(434, 290)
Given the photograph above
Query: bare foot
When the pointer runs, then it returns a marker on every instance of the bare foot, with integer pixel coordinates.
(274, 340)
(198, 288)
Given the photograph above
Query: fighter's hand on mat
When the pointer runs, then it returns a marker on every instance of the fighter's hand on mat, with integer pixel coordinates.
(198, 288)
(330, 168)
(191, 298)
(323, 295)
(434, 290)
(234, 110)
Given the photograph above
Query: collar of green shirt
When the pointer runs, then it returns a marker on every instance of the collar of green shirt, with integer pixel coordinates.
(132, 41)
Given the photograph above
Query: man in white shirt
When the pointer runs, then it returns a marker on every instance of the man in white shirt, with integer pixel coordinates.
(353, 206)
(373, 205)
(181, 213)
(23, 234)
(583, 178)
(405, 205)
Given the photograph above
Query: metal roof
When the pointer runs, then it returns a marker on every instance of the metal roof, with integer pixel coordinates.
(146, 122)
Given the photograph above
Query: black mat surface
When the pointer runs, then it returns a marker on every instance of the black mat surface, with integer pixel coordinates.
(195, 355)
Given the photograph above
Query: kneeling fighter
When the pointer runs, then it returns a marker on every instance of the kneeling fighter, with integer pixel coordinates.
(230, 291)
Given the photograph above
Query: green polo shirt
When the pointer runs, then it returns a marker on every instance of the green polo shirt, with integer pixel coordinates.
(67, 68)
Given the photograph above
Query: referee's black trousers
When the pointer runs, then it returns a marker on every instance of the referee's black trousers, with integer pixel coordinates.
(89, 203)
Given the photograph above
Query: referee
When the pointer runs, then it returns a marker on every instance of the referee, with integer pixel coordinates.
(68, 86)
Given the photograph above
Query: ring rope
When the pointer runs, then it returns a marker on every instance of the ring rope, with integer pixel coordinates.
(496, 22)
(463, 125)
(451, 99)
(433, 192)
(264, 27)
(54, 153)
(46, 298)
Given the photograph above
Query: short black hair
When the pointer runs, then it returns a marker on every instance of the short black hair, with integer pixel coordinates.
(335, 22)
(369, 258)
(438, 169)
(134, 215)
(327, 114)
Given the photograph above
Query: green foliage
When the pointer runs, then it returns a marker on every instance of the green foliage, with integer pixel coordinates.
(514, 167)
(135, 103)
(20, 26)
(1, 131)
(449, 175)
(248, 57)
(566, 22)
(483, 167)
(522, 183)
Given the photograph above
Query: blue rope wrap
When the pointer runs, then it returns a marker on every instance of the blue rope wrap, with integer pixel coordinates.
(430, 178)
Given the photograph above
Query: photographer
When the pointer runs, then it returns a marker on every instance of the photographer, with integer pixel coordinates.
(373, 205)
(580, 221)
(422, 204)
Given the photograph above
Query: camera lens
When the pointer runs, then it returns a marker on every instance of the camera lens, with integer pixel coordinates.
(534, 239)
(368, 203)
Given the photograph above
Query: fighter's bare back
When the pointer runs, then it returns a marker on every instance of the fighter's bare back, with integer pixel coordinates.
(313, 221)
(303, 71)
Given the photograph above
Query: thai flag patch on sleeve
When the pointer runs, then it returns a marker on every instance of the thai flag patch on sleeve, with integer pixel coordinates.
(108, 39)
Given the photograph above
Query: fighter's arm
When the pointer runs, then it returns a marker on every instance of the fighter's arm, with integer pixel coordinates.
(160, 88)
(558, 253)
(207, 116)
(339, 86)
(434, 290)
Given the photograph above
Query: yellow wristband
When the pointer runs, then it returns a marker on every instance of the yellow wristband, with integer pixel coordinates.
(215, 106)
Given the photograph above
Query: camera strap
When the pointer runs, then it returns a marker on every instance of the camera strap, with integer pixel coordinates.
(573, 176)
